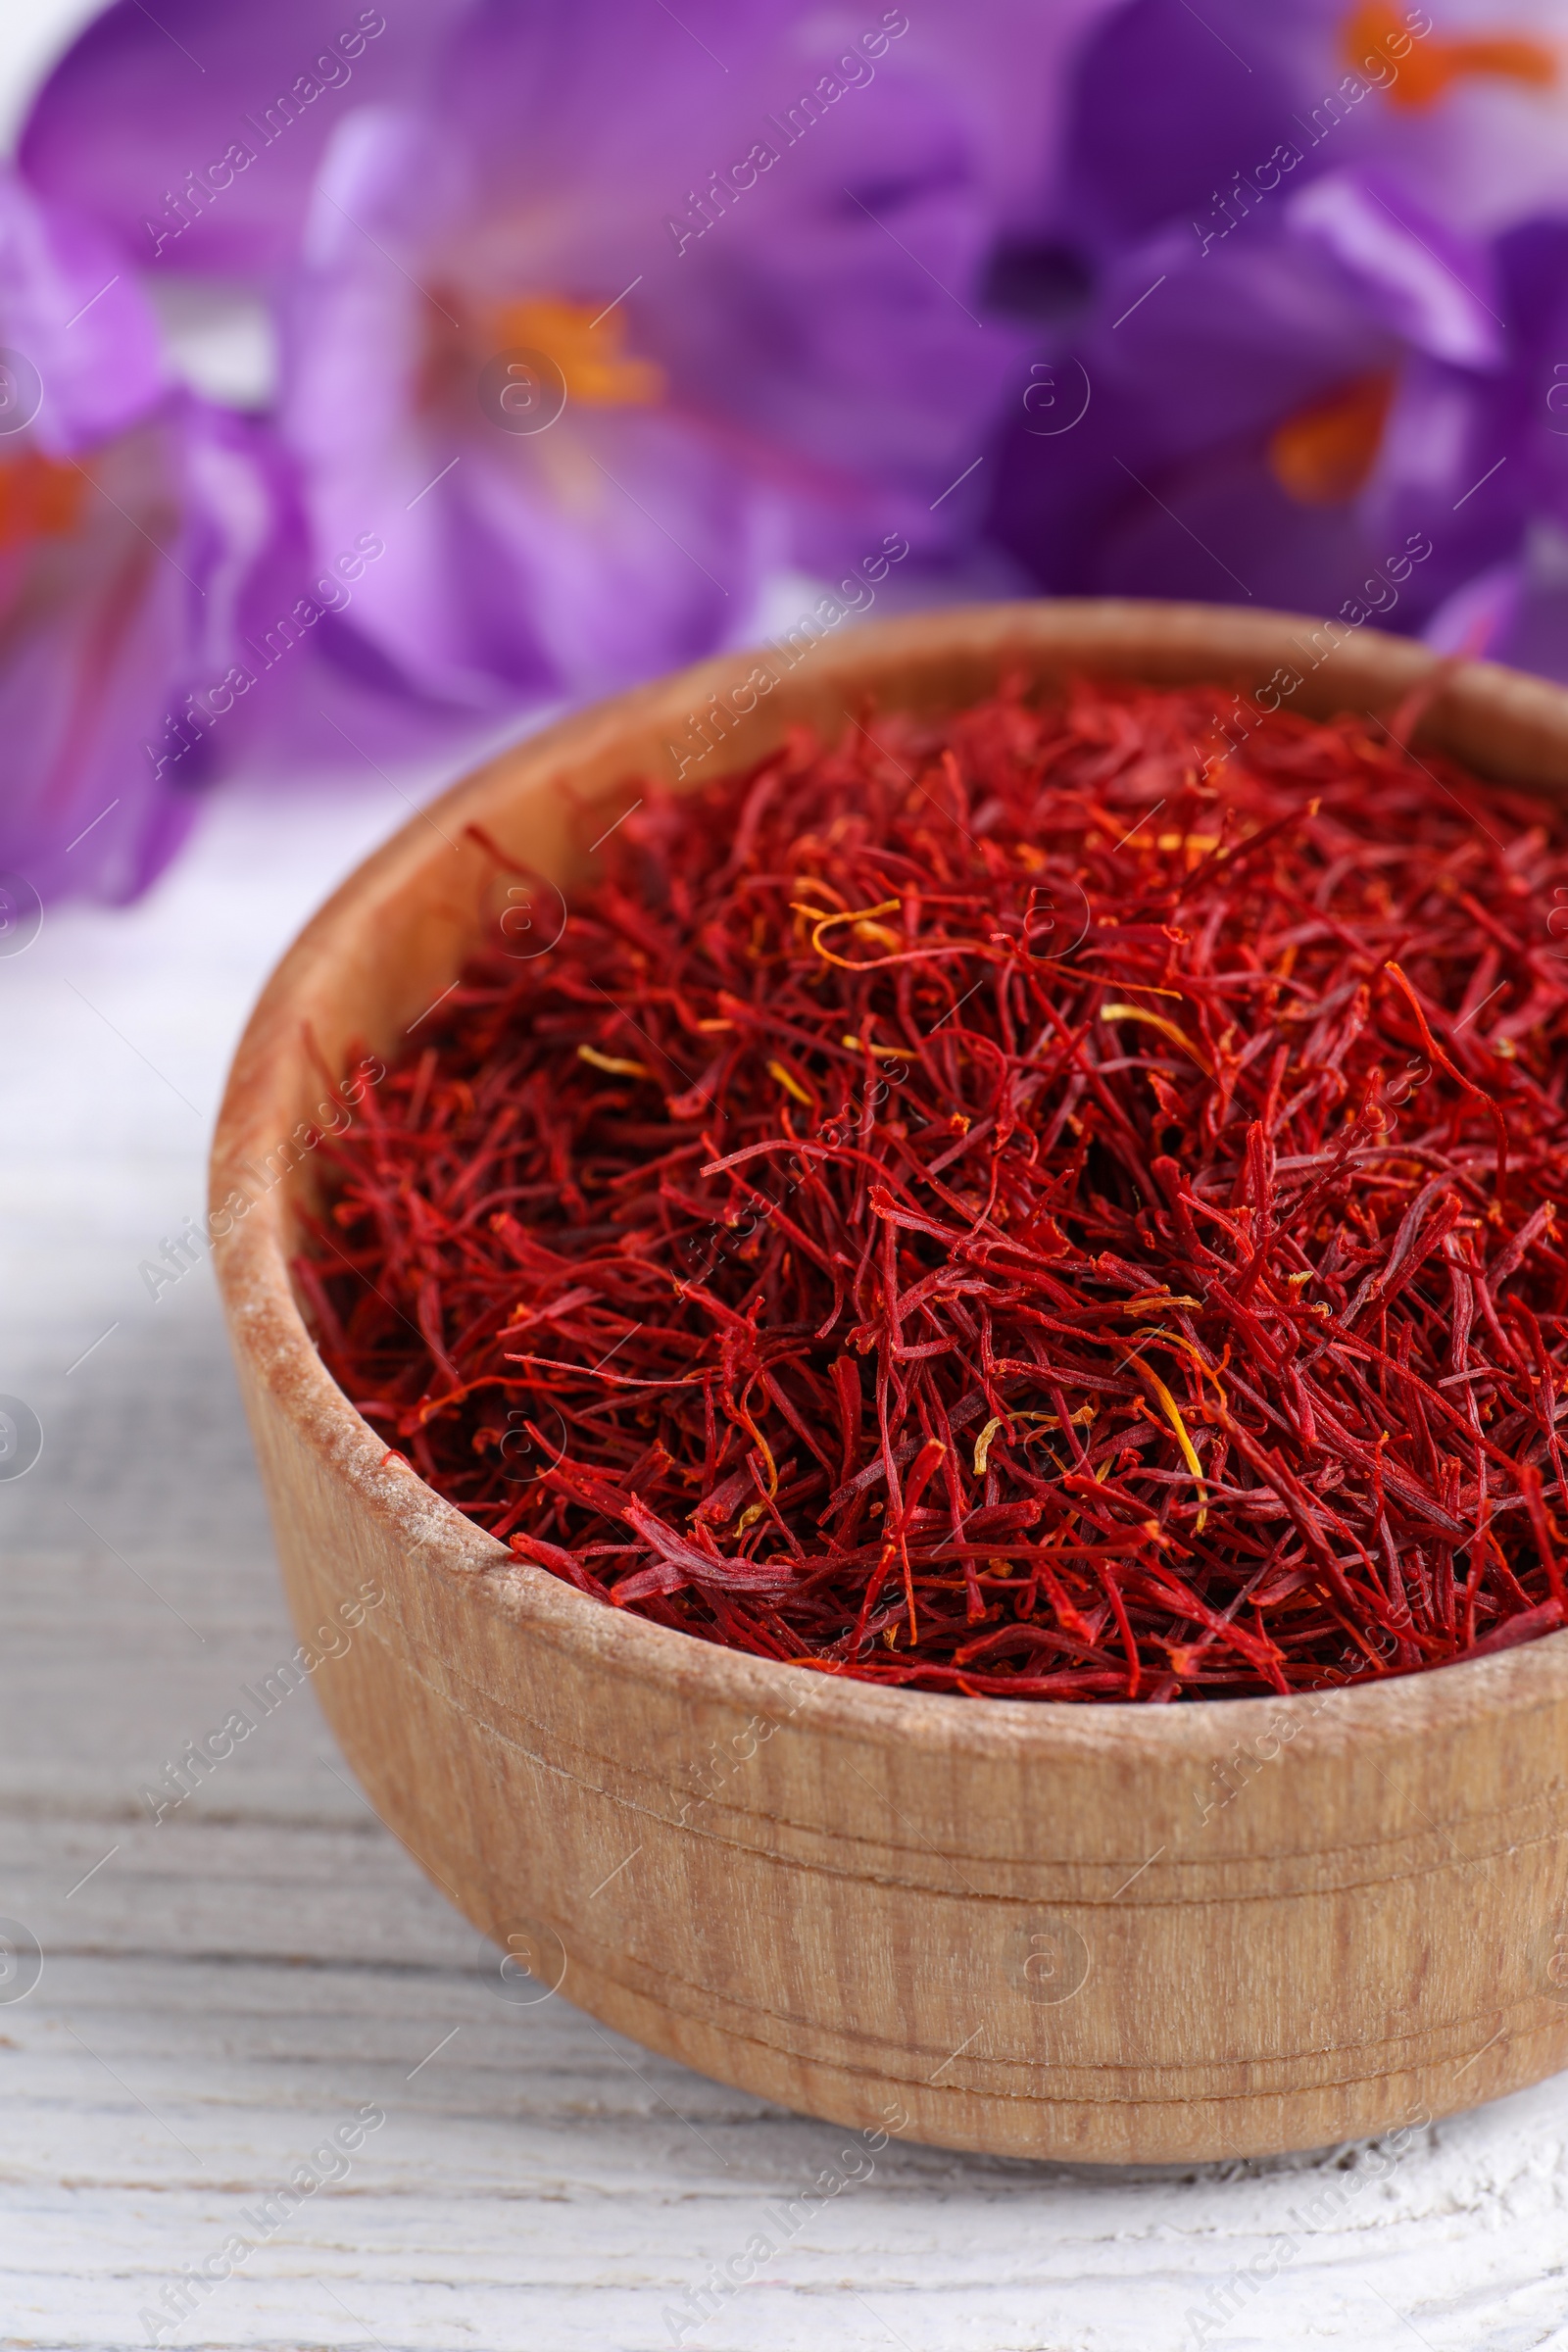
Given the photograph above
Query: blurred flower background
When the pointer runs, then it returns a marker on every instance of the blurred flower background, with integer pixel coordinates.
(374, 380)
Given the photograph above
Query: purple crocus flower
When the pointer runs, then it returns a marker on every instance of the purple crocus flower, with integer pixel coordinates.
(631, 316)
(599, 316)
(129, 518)
(1321, 313)
(1338, 407)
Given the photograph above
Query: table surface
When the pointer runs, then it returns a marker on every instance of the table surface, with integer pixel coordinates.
(222, 1988)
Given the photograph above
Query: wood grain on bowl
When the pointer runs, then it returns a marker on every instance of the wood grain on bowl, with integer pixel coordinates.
(1103, 1932)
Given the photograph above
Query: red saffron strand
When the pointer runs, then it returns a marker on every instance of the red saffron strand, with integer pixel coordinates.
(1004, 1207)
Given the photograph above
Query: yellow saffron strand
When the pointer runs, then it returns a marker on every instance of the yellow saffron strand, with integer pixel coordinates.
(1157, 1021)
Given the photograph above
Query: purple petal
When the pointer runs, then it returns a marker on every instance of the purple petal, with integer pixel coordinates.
(106, 611)
(1435, 291)
(1170, 103)
(1479, 616)
(131, 519)
(85, 354)
(191, 133)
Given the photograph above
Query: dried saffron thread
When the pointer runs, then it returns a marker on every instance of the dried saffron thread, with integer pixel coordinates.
(992, 1209)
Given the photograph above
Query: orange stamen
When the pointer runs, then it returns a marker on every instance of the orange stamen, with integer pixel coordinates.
(39, 498)
(599, 373)
(1426, 70)
(1323, 455)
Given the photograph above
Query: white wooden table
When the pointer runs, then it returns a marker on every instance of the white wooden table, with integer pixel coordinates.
(222, 1990)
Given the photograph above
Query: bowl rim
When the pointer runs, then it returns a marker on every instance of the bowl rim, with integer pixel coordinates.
(269, 1334)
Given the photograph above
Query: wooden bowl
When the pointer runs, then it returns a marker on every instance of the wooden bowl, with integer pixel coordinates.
(1113, 1933)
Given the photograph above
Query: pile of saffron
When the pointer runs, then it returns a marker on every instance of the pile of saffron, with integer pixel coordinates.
(1025, 1207)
